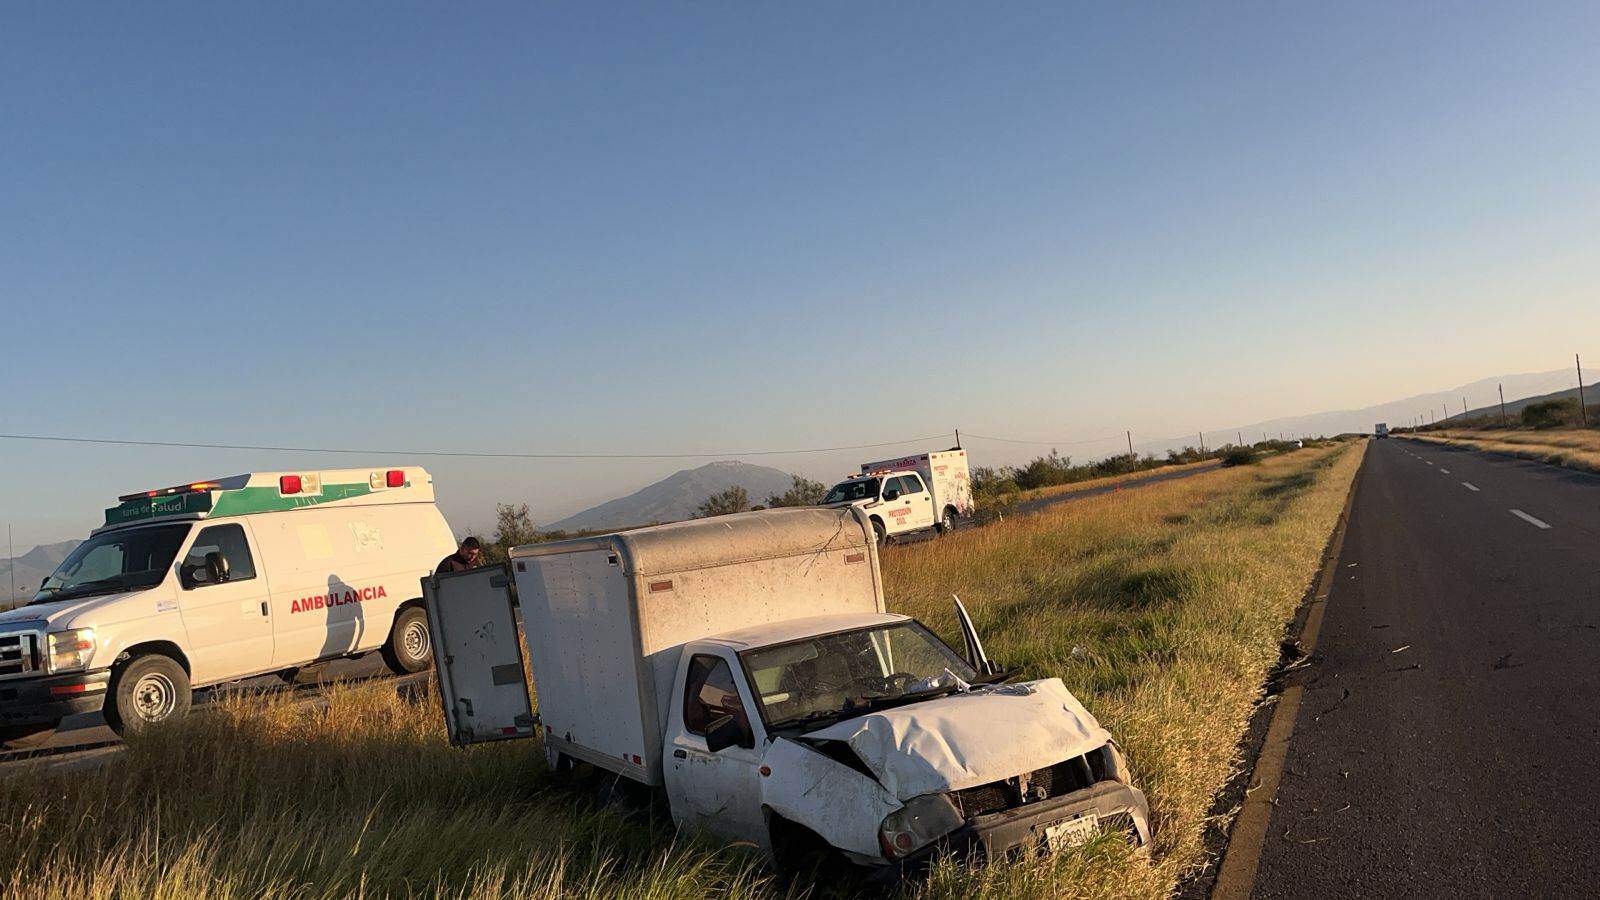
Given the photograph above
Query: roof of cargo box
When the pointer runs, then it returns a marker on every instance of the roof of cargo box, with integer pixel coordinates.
(722, 540)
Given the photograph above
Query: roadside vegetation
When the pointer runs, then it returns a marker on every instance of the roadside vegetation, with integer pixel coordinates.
(1573, 448)
(1161, 609)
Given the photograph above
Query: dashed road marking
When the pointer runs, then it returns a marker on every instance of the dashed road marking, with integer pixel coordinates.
(1445, 471)
(1469, 485)
(1529, 519)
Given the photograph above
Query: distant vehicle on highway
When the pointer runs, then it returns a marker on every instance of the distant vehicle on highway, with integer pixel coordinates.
(745, 668)
(909, 494)
(1380, 430)
(214, 581)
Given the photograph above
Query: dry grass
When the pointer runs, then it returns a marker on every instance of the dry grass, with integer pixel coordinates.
(1126, 477)
(1177, 595)
(1574, 448)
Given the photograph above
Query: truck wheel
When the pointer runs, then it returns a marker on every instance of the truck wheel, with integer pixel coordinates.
(410, 646)
(145, 691)
(879, 531)
(947, 521)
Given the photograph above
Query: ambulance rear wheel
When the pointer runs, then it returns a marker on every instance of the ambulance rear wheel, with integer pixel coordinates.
(147, 690)
(410, 646)
(947, 521)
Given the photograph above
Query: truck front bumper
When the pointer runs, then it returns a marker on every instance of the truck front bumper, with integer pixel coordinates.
(48, 700)
(1117, 808)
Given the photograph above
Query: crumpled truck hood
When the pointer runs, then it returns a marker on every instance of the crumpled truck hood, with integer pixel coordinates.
(965, 740)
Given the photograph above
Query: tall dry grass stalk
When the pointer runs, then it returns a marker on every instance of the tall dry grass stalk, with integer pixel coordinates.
(1176, 595)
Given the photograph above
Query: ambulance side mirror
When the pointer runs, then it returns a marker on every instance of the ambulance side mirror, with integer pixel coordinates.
(891, 494)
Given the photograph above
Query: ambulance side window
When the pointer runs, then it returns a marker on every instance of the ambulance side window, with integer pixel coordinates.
(228, 540)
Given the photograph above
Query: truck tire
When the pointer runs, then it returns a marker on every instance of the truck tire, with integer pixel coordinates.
(145, 691)
(947, 521)
(409, 647)
(878, 531)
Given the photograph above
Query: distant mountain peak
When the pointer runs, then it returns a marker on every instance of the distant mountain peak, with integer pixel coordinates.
(678, 496)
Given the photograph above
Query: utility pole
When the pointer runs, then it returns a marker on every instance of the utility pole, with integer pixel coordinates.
(1202, 442)
(1463, 407)
(1583, 412)
(11, 564)
(1241, 439)
(958, 439)
(1130, 445)
(1502, 388)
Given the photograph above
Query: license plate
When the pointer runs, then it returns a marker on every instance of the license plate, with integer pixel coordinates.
(1072, 832)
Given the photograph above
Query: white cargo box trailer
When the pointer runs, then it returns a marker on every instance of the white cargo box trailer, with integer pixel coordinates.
(605, 619)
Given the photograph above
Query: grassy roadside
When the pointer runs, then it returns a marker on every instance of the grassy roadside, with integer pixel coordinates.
(1176, 594)
(1570, 448)
(1125, 478)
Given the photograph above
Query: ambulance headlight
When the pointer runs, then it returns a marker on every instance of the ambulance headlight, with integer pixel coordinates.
(66, 651)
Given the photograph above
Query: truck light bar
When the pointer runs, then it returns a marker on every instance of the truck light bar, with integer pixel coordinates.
(194, 488)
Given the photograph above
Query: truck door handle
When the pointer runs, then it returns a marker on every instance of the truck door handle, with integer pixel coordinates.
(264, 607)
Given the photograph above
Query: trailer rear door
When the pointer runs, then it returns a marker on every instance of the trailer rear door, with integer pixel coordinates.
(477, 653)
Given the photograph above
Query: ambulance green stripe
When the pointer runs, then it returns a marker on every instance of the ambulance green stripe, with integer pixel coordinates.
(245, 501)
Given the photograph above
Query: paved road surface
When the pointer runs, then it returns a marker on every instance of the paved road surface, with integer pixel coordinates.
(1447, 741)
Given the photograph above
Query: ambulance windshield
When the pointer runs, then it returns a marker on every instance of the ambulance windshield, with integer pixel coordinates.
(115, 561)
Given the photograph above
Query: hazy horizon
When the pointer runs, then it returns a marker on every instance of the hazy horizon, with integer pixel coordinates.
(707, 227)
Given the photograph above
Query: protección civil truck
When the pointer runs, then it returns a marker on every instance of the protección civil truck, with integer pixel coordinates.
(910, 493)
(745, 669)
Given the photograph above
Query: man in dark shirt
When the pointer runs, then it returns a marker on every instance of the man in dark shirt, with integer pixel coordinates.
(468, 555)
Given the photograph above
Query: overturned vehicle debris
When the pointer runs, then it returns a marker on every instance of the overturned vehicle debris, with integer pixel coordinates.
(745, 667)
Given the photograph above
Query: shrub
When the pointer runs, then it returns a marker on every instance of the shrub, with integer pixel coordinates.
(733, 500)
(804, 492)
(1240, 456)
(1549, 413)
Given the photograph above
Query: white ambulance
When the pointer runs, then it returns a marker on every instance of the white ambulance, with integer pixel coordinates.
(214, 581)
(911, 493)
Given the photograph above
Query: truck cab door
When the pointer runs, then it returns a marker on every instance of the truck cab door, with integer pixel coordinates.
(919, 499)
(714, 790)
(477, 653)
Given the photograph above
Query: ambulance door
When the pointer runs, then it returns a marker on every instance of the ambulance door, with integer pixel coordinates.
(477, 653)
(223, 601)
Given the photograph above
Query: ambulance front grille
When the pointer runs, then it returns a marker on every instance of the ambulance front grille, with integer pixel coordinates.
(18, 654)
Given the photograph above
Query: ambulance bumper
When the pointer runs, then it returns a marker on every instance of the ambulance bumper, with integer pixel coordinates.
(48, 700)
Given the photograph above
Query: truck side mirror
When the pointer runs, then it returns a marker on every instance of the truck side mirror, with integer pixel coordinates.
(216, 567)
(891, 494)
(726, 731)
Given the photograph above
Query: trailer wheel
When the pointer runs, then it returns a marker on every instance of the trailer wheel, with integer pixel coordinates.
(947, 521)
(145, 691)
(409, 647)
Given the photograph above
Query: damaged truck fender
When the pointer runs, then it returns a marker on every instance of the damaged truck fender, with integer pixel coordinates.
(841, 804)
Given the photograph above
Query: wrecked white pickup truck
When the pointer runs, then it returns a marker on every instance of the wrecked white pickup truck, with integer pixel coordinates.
(745, 665)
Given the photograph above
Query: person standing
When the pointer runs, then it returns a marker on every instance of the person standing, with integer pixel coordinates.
(467, 556)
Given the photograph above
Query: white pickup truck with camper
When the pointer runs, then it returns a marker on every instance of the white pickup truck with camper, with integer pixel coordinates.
(910, 493)
(744, 668)
(214, 581)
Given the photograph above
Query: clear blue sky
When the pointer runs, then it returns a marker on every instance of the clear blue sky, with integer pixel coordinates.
(713, 226)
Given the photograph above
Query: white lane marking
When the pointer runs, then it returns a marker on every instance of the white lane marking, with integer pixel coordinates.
(1445, 471)
(1529, 519)
(1428, 462)
(1469, 485)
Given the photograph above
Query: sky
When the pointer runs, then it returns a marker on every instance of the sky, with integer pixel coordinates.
(619, 228)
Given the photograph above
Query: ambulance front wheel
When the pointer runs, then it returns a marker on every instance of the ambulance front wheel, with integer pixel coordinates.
(410, 646)
(146, 690)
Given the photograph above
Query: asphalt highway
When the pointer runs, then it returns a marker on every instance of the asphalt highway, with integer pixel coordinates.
(1446, 743)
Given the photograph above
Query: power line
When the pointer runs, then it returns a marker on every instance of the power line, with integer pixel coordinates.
(986, 437)
(472, 454)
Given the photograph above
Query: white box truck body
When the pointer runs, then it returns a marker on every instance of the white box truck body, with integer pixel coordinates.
(910, 493)
(1381, 429)
(745, 666)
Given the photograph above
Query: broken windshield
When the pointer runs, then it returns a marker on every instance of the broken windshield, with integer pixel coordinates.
(818, 679)
(851, 491)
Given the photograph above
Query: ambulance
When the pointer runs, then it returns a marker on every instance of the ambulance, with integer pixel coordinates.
(213, 581)
(911, 493)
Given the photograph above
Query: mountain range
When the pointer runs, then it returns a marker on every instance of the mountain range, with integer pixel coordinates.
(31, 568)
(678, 496)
